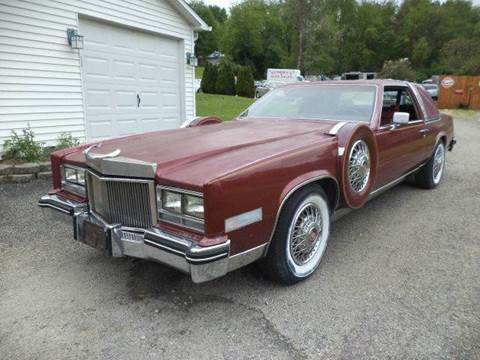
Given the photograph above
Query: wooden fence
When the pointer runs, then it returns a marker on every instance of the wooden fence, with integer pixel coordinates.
(459, 92)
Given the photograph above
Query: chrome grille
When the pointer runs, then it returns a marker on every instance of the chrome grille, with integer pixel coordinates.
(129, 202)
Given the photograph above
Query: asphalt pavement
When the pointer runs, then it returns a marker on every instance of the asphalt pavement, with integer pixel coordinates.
(400, 280)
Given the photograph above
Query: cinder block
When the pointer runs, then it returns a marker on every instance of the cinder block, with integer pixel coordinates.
(45, 166)
(44, 175)
(21, 178)
(27, 168)
(6, 169)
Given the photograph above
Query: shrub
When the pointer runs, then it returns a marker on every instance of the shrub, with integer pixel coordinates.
(23, 147)
(225, 79)
(209, 79)
(245, 84)
(397, 69)
(66, 140)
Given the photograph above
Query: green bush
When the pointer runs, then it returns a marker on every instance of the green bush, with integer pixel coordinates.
(209, 79)
(225, 79)
(23, 147)
(397, 69)
(66, 140)
(245, 84)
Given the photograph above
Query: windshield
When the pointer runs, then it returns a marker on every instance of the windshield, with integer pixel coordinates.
(317, 102)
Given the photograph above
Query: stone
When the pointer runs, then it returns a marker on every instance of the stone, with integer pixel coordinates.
(45, 166)
(6, 169)
(44, 175)
(27, 168)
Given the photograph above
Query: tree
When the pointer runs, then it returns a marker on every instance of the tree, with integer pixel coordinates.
(254, 35)
(461, 57)
(245, 85)
(397, 69)
(207, 41)
(225, 79)
(209, 79)
(219, 13)
(420, 53)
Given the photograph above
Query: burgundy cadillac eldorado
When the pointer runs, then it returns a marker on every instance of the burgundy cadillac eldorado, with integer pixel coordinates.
(211, 197)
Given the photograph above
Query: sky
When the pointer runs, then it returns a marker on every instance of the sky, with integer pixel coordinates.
(228, 3)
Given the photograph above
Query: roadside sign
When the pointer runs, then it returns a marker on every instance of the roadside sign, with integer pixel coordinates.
(447, 82)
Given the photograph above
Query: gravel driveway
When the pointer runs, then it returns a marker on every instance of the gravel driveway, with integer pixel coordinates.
(400, 279)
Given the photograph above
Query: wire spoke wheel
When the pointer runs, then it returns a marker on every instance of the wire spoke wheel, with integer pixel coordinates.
(438, 163)
(307, 235)
(359, 166)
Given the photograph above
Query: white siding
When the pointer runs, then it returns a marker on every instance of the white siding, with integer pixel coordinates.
(40, 75)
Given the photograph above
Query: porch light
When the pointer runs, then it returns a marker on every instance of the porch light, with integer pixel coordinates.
(75, 40)
(191, 59)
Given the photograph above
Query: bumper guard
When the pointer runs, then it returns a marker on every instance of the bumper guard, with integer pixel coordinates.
(202, 263)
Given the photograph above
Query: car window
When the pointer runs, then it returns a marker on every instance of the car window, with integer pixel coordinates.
(405, 98)
(317, 102)
(397, 99)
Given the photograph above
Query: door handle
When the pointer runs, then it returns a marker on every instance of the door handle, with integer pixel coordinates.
(424, 132)
(138, 100)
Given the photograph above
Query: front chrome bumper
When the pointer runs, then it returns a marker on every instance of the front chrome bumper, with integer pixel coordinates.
(202, 263)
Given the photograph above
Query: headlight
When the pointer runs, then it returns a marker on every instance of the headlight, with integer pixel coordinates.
(180, 207)
(172, 201)
(73, 180)
(193, 206)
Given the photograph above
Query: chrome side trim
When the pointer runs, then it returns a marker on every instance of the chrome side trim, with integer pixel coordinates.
(393, 183)
(336, 128)
(394, 126)
(247, 257)
(298, 186)
(241, 220)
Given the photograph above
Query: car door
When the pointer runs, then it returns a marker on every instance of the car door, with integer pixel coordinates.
(401, 147)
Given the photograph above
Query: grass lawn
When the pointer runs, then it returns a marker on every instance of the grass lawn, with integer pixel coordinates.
(223, 106)
(199, 72)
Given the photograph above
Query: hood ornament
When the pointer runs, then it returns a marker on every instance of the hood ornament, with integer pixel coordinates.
(89, 156)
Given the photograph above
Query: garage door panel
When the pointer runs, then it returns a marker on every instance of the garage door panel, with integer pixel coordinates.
(98, 99)
(119, 63)
(125, 100)
(127, 127)
(151, 124)
(124, 70)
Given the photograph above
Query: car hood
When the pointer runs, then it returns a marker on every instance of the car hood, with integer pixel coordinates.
(194, 156)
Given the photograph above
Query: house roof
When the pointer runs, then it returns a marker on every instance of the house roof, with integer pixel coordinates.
(192, 17)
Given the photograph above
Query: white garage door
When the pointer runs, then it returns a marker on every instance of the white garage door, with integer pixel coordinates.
(131, 81)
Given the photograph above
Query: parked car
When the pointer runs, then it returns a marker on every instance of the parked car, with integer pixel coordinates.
(212, 197)
(262, 88)
(432, 90)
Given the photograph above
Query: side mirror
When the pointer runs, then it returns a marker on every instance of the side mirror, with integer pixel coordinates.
(401, 118)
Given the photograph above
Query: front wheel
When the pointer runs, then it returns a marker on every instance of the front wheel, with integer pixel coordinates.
(431, 174)
(300, 238)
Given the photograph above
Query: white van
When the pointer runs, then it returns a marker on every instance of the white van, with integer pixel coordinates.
(277, 77)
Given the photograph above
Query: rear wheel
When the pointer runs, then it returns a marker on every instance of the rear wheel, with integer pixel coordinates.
(300, 238)
(431, 174)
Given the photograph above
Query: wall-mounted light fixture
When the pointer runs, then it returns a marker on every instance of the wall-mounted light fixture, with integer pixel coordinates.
(191, 59)
(75, 40)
